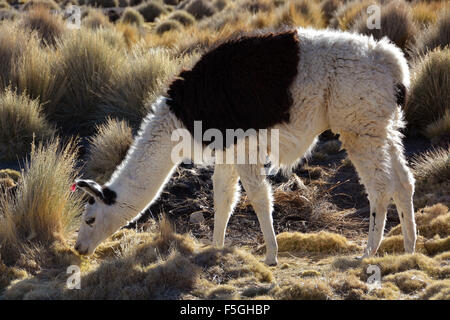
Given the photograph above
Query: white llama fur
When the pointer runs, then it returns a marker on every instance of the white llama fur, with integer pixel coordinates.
(346, 83)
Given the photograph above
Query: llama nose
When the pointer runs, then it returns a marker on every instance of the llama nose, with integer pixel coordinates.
(77, 248)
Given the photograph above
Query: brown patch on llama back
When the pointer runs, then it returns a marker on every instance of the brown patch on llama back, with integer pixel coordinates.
(242, 83)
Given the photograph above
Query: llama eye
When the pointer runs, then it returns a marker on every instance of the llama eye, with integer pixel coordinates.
(90, 221)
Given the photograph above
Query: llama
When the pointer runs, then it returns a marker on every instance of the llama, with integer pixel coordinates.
(300, 82)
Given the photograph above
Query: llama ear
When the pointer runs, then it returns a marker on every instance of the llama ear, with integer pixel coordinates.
(109, 196)
(91, 187)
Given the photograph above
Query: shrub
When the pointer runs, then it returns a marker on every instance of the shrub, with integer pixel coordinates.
(88, 62)
(200, 9)
(151, 10)
(429, 96)
(107, 149)
(49, 27)
(132, 16)
(44, 208)
(435, 36)
(21, 121)
(183, 17)
(396, 23)
(168, 25)
(96, 19)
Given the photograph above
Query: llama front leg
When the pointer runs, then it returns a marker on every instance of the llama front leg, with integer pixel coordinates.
(226, 194)
(259, 193)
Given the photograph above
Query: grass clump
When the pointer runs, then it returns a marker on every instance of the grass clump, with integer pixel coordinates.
(438, 290)
(4, 5)
(46, 4)
(21, 122)
(322, 242)
(200, 9)
(432, 172)
(439, 131)
(436, 35)
(136, 83)
(409, 281)
(104, 3)
(132, 16)
(431, 221)
(346, 15)
(151, 10)
(49, 27)
(304, 289)
(168, 25)
(108, 147)
(429, 97)
(96, 19)
(44, 208)
(88, 63)
(396, 23)
(183, 17)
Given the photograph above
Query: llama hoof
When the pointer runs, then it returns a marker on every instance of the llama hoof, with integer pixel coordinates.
(271, 262)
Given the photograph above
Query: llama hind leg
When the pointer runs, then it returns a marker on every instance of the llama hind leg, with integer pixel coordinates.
(371, 160)
(226, 194)
(403, 197)
(259, 193)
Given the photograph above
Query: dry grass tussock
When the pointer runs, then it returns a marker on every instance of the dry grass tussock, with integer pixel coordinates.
(159, 264)
(432, 174)
(42, 208)
(429, 97)
(48, 26)
(108, 147)
(21, 122)
(396, 23)
(321, 242)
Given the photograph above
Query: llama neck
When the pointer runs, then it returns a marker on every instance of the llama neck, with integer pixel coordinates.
(147, 166)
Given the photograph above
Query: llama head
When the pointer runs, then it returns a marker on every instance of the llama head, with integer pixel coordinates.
(98, 221)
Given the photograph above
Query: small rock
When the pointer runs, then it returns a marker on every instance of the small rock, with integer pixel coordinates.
(197, 217)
